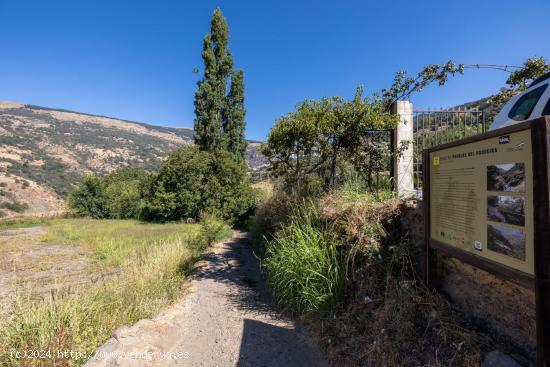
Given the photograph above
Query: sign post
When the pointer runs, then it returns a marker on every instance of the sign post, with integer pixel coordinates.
(487, 204)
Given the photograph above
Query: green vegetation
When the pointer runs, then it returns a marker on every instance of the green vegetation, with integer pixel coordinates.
(212, 230)
(118, 195)
(149, 262)
(305, 265)
(306, 147)
(220, 116)
(12, 223)
(190, 182)
(14, 206)
(343, 261)
(519, 79)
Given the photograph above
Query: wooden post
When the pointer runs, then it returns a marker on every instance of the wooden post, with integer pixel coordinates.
(540, 134)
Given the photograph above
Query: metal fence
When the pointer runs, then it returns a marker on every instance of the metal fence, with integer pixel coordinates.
(435, 127)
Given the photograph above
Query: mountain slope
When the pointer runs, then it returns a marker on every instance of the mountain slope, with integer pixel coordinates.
(50, 150)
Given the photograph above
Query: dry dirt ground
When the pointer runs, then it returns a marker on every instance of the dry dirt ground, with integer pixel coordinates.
(226, 318)
(34, 269)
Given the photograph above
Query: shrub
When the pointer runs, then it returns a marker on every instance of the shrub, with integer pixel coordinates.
(118, 195)
(304, 264)
(191, 181)
(212, 230)
(89, 198)
(124, 191)
(14, 206)
(345, 263)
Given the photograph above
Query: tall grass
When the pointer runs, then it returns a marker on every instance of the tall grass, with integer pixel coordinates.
(152, 262)
(349, 249)
(305, 265)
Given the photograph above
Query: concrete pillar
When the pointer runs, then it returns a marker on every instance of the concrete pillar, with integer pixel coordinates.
(403, 165)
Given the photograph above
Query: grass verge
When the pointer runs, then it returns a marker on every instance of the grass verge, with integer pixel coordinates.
(344, 263)
(305, 265)
(152, 262)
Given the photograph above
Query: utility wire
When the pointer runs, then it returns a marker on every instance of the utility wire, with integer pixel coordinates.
(505, 68)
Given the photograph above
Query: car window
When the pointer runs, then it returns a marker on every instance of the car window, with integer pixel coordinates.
(525, 105)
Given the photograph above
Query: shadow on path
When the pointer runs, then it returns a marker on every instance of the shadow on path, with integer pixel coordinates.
(273, 339)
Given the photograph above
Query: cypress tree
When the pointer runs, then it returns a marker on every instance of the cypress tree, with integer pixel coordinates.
(234, 125)
(210, 98)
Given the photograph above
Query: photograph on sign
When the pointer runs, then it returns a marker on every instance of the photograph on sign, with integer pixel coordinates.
(506, 209)
(507, 241)
(506, 177)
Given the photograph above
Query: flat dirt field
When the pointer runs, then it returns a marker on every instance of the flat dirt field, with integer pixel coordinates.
(66, 284)
(30, 268)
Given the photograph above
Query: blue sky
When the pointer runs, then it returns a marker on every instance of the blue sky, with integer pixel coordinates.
(134, 59)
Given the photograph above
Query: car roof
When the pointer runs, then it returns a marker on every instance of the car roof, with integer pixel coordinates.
(540, 79)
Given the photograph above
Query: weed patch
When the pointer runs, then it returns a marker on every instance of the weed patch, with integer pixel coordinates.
(152, 262)
(305, 265)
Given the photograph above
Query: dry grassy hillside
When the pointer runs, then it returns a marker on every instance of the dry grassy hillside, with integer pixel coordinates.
(44, 152)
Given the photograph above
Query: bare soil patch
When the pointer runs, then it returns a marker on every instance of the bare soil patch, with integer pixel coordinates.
(31, 268)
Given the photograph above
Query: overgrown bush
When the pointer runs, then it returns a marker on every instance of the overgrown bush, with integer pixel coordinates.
(118, 195)
(212, 230)
(89, 198)
(14, 206)
(305, 265)
(345, 263)
(191, 181)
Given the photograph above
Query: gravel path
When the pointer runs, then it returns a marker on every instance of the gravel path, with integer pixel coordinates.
(225, 319)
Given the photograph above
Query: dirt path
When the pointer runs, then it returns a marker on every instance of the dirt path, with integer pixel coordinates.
(225, 319)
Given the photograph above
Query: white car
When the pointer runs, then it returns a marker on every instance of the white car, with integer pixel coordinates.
(532, 103)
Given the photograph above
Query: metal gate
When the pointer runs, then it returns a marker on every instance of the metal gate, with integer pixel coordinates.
(435, 127)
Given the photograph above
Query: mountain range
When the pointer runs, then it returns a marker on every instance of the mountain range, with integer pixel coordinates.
(44, 152)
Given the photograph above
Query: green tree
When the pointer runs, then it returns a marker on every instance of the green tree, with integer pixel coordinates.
(234, 125)
(125, 191)
(89, 198)
(292, 146)
(226, 192)
(519, 80)
(176, 192)
(191, 182)
(210, 98)
(320, 134)
(119, 195)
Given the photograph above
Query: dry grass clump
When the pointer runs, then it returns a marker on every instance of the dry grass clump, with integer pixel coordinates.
(388, 317)
(152, 261)
(274, 210)
(362, 225)
(383, 315)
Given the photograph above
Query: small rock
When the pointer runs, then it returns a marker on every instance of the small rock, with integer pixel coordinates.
(498, 359)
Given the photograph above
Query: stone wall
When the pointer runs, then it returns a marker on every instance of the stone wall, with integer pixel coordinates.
(503, 308)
